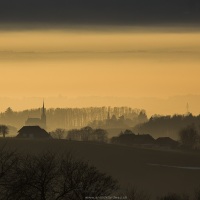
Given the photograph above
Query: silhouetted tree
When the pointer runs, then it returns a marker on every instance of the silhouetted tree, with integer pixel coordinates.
(4, 130)
(9, 111)
(34, 178)
(189, 136)
(101, 135)
(50, 177)
(8, 162)
(142, 117)
(87, 180)
(58, 133)
(86, 133)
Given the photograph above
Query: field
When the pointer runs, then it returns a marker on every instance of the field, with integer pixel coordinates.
(153, 170)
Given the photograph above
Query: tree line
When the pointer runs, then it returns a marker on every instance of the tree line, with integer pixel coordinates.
(188, 137)
(88, 134)
(68, 118)
(170, 126)
(114, 121)
(84, 134)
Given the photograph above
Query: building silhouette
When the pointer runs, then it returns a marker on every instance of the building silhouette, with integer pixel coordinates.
(33, 132)
(41, 122)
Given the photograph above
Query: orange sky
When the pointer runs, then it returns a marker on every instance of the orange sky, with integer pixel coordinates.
(121, 64)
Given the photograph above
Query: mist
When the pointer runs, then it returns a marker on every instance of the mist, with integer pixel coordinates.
(137, 63)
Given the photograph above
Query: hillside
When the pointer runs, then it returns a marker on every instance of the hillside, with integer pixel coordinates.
(131, 166)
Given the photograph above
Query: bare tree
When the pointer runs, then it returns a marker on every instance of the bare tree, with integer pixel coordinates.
(86, 180)
(8, 162)
(49, 177)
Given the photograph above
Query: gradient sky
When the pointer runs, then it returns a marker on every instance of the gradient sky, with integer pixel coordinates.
(134, 63)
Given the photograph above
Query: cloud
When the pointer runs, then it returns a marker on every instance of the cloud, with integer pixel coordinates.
(23, 13)
(67, 55)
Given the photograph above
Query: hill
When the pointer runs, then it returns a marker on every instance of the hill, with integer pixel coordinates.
(155, 171)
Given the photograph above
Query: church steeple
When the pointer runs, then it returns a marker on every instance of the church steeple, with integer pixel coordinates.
(43, 109)
(43, 117)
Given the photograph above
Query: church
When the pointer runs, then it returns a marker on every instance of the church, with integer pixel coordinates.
(38, 121)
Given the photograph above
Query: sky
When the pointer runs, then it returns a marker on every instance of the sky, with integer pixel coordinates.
(77, 53)
(132, 63)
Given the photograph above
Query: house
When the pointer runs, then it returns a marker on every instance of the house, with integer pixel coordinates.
(166, 141)
(132, 139)
(34, 132)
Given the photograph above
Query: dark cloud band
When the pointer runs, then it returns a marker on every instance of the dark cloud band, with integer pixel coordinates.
(100, 12)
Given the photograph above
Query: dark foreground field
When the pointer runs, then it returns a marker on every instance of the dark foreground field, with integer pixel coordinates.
(155, 171)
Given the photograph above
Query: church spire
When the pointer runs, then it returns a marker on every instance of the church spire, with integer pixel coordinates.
(43, 109)
(43, 117)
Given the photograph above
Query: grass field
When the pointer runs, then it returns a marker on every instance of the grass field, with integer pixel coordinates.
(148, 169)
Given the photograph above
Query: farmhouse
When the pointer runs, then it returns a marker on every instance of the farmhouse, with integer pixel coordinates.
(34, 132)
